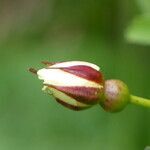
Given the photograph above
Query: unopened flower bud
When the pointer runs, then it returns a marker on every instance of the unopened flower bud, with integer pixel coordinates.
(116, 96)
(74, 84)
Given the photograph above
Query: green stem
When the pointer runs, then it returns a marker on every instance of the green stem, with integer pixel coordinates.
(140, 101)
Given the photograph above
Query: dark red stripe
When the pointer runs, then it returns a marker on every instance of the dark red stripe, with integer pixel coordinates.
(76, 108)
(86, 95)
(85, 72)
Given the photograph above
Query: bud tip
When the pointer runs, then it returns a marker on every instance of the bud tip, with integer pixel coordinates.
(32, 70)
(47, 63)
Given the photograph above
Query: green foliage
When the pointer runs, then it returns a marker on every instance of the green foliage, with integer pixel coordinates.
(139, 30)
(144, 6)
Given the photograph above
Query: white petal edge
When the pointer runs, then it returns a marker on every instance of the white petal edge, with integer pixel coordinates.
(67, 99)
(59, 77)
(75, 63)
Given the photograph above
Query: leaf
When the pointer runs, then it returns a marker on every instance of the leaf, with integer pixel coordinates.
(139, 30)
(144, 5)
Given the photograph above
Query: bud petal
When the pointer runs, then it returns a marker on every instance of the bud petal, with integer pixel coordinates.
(66, 100)
(73, 63)
(75, 84)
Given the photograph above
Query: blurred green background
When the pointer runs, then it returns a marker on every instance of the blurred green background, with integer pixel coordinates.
(113, 34)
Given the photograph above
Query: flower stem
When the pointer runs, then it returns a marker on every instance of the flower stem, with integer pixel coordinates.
(140, 101)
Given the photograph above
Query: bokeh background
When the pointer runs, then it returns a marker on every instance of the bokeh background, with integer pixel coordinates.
(113, 34)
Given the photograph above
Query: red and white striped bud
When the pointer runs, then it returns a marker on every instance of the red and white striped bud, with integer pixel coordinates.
(74, 84)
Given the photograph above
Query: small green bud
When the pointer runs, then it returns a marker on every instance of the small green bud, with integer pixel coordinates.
(116, 96)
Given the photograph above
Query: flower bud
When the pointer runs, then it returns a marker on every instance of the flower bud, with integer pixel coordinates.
(74, 84)
(116, 96)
